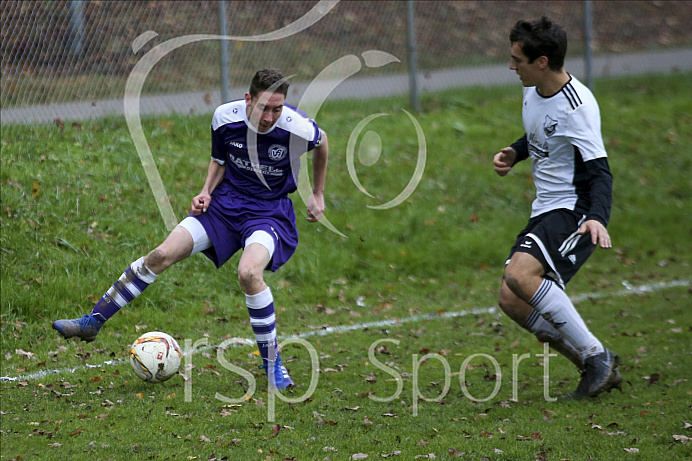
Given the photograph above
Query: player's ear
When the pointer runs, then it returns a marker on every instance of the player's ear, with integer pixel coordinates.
(248, 98)
(542, 62)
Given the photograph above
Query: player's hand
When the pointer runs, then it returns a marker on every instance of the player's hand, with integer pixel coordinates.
(599, 234)
(200, 203)
(315, 207)
(503, 161)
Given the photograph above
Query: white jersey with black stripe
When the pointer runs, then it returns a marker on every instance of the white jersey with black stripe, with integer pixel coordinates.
(563, 131)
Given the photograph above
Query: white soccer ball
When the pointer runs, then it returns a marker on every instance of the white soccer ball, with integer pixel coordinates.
(155, 357)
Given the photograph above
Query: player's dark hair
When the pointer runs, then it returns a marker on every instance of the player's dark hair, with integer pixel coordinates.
(542, 37)
(268, 79)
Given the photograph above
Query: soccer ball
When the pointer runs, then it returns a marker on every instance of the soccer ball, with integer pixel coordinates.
(155, 357)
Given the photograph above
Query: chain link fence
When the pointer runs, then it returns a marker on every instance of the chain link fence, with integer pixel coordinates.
(71, 60)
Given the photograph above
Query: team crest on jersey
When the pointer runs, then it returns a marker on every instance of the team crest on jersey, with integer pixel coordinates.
(277, 152)
(549, 125)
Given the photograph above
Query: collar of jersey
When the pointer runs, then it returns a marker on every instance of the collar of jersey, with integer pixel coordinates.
(252, 127)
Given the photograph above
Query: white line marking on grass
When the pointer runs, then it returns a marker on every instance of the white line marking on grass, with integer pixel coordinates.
(629, 289)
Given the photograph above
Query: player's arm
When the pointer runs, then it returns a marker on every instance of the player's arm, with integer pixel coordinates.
(320, 157)
(215, 173)
(586, 137)
(601, 199)
(521, 147)
(504, 160)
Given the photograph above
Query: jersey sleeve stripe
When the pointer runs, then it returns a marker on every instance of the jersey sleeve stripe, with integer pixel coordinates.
(572, 96)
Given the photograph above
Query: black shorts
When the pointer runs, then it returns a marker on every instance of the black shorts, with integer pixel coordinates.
(552, 239)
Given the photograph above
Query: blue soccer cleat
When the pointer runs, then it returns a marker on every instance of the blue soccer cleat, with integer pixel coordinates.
(85, 328)
(277, 373)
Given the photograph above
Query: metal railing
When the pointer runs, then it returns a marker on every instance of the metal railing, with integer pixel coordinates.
(72, 59)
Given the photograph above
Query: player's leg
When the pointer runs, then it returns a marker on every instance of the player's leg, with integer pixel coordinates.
(257, 254)
(186, 239)
(529, 319)
(524, 276)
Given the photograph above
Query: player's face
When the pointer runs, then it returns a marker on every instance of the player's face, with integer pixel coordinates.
(529, 73)
(264, 110)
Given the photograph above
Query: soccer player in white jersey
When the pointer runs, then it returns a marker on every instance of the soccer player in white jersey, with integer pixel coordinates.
(569, 216)
(257, 143)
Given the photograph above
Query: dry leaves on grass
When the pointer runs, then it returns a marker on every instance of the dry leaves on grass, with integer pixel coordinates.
(23, 353)
(682, 438)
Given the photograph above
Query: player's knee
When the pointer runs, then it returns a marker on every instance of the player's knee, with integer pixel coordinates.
(248, 276)
(158, 260)
(155, 258)
(512, 280)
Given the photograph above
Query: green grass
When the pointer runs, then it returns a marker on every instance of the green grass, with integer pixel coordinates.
(77, 209)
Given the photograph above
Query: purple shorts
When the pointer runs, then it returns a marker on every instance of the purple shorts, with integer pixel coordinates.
(232, 217)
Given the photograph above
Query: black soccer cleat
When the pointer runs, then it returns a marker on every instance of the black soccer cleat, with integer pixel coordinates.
(599, 369)
(582, 390)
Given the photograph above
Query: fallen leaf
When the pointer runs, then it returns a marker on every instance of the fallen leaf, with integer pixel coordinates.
(204, 439)
(681, 438)
(275, 430)
(653, 379)
(23, 353)
(351, 408)
(631, 450)
(359, 456)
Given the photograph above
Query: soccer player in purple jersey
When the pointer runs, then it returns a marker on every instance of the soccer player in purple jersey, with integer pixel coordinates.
(569, 216)
(257, 143)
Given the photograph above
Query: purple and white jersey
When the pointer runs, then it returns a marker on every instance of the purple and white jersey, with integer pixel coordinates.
(261, 165)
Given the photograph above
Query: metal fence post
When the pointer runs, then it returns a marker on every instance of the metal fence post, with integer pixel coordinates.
(76, 27)
(588, 52)
(224, 52)
(412, 63)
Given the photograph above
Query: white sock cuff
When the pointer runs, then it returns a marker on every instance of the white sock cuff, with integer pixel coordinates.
(142, 271)
(260, 300)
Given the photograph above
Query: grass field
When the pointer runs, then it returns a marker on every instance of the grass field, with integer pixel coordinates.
(397, 318)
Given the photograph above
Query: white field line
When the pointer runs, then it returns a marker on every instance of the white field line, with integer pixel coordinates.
(629, 289)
